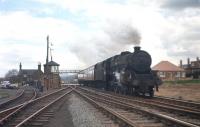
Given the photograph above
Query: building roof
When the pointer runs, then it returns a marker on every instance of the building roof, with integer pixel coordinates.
(52, 63)
(166, 66)
(28, 71)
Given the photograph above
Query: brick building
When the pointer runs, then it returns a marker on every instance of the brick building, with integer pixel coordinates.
(31, 76)
(51, 75)
(51, 72)
(192, 68)
(169, 71)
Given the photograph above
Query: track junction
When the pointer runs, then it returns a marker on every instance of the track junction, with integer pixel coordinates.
(122, 110)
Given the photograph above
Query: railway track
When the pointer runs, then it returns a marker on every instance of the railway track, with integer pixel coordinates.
(160, 113)
(191, 104)
(10, 106)
(182, 104)
(26, 94)
(26, 113)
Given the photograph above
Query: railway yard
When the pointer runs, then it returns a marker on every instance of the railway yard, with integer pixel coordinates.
(75, 106)
(100, 63)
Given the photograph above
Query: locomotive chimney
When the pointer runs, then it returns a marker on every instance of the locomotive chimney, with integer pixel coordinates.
(181, 64)
(137, 48)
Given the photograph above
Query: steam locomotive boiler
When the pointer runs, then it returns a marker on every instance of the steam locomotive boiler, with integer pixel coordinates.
(128, 73)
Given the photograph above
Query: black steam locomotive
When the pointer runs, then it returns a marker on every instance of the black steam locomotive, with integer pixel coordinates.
(127, 73)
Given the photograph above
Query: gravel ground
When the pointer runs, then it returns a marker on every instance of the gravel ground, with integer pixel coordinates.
(76, 112)
(180, 91)
(5, 94)
(62, 118)
(45, 92)
(83, 114)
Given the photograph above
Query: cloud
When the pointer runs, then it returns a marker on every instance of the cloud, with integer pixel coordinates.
(89, 31)
(112, 39)
(181, 4)
(181, 37)
(101, 33)
(23, 38)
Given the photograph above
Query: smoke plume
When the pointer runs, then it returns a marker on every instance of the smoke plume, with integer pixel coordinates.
(113, 39)
(123, 34)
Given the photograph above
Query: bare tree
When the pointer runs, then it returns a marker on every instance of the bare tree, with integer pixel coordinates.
(11, 75)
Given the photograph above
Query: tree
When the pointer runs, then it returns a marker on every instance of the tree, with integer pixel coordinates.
(11, 75)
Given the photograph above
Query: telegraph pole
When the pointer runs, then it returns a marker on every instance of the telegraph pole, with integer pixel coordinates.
(47, 59)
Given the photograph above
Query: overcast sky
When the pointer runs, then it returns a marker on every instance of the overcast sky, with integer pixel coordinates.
(84, 32)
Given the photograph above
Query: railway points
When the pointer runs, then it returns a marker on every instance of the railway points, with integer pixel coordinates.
(111, 109)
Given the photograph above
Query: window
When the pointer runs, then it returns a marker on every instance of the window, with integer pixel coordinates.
(54, 68)
(193, 64)
(178, 74)
(183, 74)
(162, 74)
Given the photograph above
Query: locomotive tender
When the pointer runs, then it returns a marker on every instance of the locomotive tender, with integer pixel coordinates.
(128, 73)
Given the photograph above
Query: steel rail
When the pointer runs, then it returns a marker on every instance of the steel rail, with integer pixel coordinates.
(184, 103)
(127, 122)
(177, 108)
(197, 104)
(5, 119)
(197, 110)
(6, 112)
(42, 109)
(11, 99)
(35, 95)
(132, 107)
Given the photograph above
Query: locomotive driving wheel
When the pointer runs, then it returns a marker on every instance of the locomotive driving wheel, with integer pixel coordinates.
(151, 92)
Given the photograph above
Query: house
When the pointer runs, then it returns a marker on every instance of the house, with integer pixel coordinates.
(192, 68)
(168, 71)
(30, 76)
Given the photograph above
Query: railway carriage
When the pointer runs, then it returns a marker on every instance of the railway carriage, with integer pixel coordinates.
(128, 73)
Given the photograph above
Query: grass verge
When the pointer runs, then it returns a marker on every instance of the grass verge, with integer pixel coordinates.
(194, 81)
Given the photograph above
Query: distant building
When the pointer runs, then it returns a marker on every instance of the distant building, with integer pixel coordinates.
(30, 76)
(51, 75)
(192, 68)
(51, 72)
(169, 71)
(49, 79)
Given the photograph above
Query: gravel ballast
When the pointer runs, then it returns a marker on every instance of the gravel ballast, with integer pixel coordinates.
(62, 117)
(76, 112)
(83, 114)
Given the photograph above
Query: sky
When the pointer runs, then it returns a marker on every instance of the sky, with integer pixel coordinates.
(84, 32)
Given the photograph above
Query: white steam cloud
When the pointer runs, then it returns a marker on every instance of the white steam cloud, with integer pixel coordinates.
(114, 38)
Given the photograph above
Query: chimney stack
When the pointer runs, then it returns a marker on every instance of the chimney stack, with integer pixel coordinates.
(39, 66)
(197, 58)
(20, 66)
(188, 62)
(181, 63)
